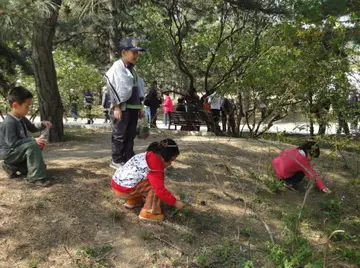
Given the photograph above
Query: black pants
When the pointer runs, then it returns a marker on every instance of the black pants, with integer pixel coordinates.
(343, 126)
(216, 118)
(296, 178)
(153, 114)
(107, 116)
(123, 135)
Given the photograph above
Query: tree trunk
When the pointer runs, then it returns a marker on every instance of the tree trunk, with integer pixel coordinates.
(50, 105)
(112, 31)
(239, 112)
(310, 114)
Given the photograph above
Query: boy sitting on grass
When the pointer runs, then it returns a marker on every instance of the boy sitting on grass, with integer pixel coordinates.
(293, 164)
(20, 152)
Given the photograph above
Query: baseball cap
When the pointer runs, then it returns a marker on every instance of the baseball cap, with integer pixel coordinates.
(130, 44)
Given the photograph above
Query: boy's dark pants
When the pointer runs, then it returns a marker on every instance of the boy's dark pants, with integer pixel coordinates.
(123, 135)
(27, 159)
(296, 178)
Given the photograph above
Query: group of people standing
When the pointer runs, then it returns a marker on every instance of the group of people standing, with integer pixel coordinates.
(153, 100)
(221, 109)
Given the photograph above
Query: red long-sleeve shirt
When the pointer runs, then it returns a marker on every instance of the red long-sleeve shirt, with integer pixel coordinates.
(155, 175)
(168, 105)
(291, 161)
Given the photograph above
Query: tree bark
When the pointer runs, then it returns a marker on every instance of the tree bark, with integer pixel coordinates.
(50, 105)
(112, 31)
(311, 121)
(239, 111)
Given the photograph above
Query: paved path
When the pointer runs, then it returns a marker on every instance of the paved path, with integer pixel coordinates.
(292, 127)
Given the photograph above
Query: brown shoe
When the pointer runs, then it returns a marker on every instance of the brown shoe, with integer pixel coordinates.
(133, 203)
(147, 216)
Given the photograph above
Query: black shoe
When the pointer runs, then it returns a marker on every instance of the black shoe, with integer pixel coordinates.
(10, 172)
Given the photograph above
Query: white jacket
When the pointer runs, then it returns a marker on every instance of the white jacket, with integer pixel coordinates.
(120, 82)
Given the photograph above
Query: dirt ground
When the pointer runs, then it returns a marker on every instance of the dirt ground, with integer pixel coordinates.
(78, 223)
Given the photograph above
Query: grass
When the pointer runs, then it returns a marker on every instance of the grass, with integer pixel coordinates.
(116, 215)
(246, 231)
(144, 234)
(91, 254)
(35, 207)
(332, 208)
(269, 181)
(33, 263)
(188, 237)
(227, 254)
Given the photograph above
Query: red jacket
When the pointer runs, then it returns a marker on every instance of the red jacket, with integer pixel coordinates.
(168, 105)
(155, 177)
(291, 161)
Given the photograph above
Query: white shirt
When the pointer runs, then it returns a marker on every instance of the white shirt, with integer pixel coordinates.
(215, 101)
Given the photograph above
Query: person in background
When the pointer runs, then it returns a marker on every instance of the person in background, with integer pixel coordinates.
(293, 164)
(153, 101)
(65, 115)
(168, 107)
(180, 106)
(88, 101)
(228, 116)
(215, 101)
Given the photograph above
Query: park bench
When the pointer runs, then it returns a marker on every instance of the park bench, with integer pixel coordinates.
(190, 120)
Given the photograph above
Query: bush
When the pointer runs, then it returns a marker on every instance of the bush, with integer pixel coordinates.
(295, 251)
(332, 208)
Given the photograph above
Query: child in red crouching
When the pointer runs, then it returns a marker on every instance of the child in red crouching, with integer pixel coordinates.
(293, 164)
(142, 178)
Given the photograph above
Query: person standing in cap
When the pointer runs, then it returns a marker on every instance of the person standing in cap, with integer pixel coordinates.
(127, 93)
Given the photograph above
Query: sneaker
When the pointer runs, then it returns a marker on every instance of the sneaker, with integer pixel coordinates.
(116, 165)
(42, 183)
(133, 203)
(147, 216)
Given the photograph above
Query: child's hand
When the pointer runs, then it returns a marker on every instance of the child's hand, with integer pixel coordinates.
(326, 190)
(179, 205)
(141, 114)
(46, 124)
(117, 113)
(40, 141)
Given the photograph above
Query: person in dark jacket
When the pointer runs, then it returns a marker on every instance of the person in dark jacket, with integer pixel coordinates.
(153, 101)
(180, 106)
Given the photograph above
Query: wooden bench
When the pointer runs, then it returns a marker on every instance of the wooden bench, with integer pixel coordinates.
(190, 120)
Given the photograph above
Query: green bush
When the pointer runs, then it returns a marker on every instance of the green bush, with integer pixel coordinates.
(350, 254)
(295, 251)
(332, 208)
